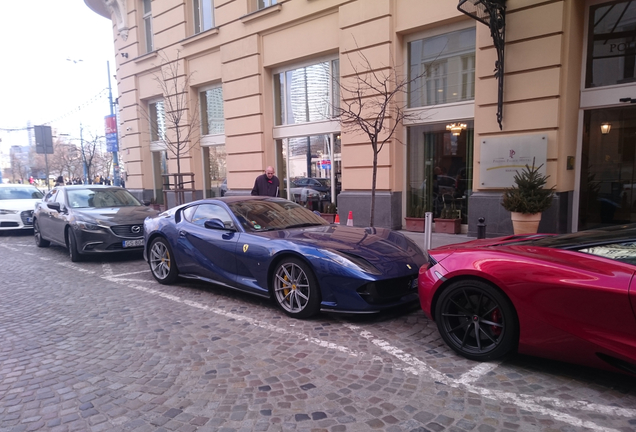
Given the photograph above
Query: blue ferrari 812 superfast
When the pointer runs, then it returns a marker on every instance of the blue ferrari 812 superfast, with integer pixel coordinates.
(275, 248)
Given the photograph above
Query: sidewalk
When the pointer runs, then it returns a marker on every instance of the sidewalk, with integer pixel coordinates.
(437, 239)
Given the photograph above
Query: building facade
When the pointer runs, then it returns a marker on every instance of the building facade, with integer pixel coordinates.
(223, 88)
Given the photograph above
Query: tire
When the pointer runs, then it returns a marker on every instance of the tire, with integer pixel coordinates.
(39, 241)
(469, 308)
(75, 255)
(295, 288)
(161, 261)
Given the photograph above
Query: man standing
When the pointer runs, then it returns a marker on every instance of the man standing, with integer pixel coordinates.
(267, 184)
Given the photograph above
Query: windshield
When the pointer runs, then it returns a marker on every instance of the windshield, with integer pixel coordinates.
(13, 193)
(101, 198)
(273, 214)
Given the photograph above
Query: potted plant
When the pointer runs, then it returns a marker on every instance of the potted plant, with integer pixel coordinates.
(330, 212)
(415, 222)
(527, 199)
(449, 220)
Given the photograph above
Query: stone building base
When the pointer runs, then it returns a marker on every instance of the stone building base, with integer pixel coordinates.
(388, 209)
(557, 219)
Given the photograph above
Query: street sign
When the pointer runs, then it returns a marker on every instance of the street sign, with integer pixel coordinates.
(43, 140)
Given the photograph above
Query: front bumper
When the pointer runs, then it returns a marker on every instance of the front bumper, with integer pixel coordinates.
(106, 240)
(17, 221)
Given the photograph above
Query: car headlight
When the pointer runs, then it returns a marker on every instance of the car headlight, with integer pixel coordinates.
(349, 261)
(7, 211)
(89, 226)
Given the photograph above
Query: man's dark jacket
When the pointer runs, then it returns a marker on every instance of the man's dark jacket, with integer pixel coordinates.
(266, 187)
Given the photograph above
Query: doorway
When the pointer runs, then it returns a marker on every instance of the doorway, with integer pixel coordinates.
(608, 162)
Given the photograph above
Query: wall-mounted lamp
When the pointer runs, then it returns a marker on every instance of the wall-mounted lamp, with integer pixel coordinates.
(124, 55)
(605, 128)
(456, 128)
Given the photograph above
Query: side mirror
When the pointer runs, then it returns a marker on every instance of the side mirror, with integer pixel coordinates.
(214, 224)
(146, 203)
(54, 206)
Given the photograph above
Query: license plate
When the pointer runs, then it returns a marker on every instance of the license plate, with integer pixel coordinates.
(133, 243)
(29, 220)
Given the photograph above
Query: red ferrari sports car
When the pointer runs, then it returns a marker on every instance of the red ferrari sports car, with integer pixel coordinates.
(569, 297)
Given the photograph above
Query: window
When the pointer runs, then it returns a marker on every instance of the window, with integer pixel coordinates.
(157, 118)
(203, 15)
(306, 94)
(611, 56)
(257, 5)
(199, 214)
(212, 117)
(147, 17)
(442, 68)
(623, 252)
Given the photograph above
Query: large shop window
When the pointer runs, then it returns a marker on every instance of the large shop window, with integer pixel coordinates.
(216, 170)
(157, 119)
(611, 54)
(439, 168)
(442, 68)
(306, 94)
(608, 168)
(212, 115)
(310, 170)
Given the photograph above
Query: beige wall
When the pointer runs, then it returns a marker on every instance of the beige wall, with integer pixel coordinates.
(541, 94)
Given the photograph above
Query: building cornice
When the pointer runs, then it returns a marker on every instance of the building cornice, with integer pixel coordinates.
(115, 10)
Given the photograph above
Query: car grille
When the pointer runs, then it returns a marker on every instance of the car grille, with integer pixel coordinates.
(26, 214)
(388, 291)
(128, 231)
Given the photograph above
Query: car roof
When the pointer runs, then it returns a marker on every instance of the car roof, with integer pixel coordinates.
(88, 186)
(587, 238)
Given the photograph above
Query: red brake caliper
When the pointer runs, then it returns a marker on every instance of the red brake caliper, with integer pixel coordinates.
(495, 316)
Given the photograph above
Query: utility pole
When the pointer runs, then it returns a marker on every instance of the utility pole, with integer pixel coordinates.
(83, 155)
(115, 149)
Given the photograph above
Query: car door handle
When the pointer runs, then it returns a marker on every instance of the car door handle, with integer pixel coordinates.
(182, 233)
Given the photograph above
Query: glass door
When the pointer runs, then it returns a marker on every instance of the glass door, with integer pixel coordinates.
(608, 175)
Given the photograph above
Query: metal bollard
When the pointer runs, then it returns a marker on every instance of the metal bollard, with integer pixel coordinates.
(428, 230)
(481, 228)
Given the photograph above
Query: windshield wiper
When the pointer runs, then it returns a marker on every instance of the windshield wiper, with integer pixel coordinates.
(301, 225)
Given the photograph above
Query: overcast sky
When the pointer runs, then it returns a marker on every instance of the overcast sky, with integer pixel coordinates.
(37, 82)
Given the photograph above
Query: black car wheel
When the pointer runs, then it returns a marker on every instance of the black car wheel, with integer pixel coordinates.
(161, 261)
(72, 246)
(296, 289)
(476, 320)
(39, 241)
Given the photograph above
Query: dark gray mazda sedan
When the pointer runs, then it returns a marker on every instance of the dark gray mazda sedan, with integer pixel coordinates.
(90, 219)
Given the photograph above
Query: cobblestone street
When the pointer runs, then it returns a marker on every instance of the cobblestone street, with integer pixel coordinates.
(100, 346)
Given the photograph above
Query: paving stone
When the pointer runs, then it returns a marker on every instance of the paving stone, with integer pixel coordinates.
(94, 351)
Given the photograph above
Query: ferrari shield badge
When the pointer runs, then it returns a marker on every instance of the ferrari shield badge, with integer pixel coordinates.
(245, 247)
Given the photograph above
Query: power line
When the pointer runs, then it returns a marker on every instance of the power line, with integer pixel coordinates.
(103, 93)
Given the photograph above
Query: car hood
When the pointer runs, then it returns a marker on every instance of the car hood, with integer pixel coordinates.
(19, 204)
(116, 215)
(379, 246)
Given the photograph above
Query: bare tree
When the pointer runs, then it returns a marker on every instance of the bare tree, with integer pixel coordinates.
(181, 111)
(18, 168)
(66, 158)
(92, 150)
(373, 104)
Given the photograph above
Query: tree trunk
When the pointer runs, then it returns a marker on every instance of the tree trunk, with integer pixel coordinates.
(375, 174)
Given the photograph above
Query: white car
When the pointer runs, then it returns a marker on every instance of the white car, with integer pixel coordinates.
(17, 202)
